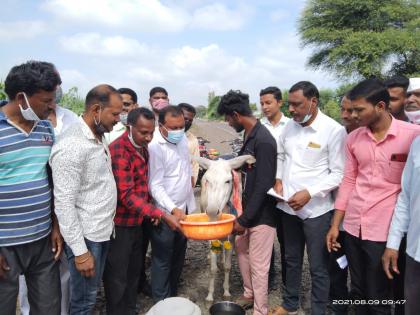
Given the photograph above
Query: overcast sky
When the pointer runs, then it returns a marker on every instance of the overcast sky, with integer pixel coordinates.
(190, 47)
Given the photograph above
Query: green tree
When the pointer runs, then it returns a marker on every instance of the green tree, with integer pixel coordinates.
(362, 38)
(332, 109)
(212, 106)
(72, 100)
(3, 95)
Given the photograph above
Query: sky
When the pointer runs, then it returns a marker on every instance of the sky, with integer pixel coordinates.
(189, 47)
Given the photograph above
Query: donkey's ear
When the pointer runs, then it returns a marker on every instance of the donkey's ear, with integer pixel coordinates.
(204, 163)
(240, 160)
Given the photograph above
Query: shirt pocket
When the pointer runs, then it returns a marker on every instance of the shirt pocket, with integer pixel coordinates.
(393, 171)
(311, 156)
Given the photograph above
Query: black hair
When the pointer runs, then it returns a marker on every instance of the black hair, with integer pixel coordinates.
(31, 77)
(397, 81)
(100, 94)
(309, 89)
(157, 89)
(129, 92)
(234, 101)
(136, 113)
(373, 90)
(173, 111)
(188, 108)
(272, 90)
(345, 95)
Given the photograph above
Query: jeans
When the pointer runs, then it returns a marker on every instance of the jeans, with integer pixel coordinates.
(84, 290)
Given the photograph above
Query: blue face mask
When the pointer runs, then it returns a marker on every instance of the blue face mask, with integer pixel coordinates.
(174, 136)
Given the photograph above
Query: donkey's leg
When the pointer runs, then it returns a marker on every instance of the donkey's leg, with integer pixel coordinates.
(227, 264)
(213, 272)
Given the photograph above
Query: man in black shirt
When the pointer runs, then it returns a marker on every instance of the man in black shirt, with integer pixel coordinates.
(256, 225)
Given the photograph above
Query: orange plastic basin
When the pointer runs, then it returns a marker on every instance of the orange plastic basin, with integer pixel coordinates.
(198, 227)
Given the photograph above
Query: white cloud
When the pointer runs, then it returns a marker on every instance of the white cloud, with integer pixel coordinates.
(138, 15)
(98, 45)
(21, 29)
(218, 17)
(149, 16)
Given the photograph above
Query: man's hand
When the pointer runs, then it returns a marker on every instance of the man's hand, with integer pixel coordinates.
(56, 240)
(178, 213)
(278, 187)
(331, 239)
(172, 222)
(299, 199)
(85, 264)
(389, 262)
(237, 228)
(4, 267)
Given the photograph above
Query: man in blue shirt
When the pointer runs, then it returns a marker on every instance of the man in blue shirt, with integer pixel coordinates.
(30, 241)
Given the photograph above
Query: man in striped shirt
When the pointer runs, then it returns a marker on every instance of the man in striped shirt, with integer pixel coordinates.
(30, 241)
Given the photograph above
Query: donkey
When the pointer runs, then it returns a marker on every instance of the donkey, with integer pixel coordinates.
(217, 188)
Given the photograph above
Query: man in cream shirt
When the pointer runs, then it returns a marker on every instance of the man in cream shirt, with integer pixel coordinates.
(310, 166)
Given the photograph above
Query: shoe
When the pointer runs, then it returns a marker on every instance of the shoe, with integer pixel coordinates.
(280, 310)
(245, 303)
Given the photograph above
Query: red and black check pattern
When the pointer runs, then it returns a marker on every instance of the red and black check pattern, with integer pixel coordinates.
(131, 175)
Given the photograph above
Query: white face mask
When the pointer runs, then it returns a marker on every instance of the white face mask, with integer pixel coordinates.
(123, 118)
(413, 116)
(130, 137)
(28, 114)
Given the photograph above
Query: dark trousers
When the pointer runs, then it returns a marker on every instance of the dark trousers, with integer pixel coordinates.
(412, 286)
(36, 262)
(168, 255)
(311, 232)
(280, 238)
(146, 225)
(83, 291)
(398, 281)
(338, 279)
(368, 280)
(122, 271)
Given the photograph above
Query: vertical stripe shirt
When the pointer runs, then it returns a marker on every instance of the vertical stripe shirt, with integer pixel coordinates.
(25, 192)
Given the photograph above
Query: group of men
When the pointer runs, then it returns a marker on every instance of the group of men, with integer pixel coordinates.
(120, 176)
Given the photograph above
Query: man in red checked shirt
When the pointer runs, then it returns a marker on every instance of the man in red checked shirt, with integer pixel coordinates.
(129, 164)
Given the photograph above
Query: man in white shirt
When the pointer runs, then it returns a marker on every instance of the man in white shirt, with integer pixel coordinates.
(85, 194)
(310, 166)
(274, 120)
(170, 186)
(129, 98)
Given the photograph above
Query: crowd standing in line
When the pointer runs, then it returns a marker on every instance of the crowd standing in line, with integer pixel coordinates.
(80, 197)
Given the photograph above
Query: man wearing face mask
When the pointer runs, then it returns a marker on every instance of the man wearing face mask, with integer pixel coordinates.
(30, 242)
(189, 114)
(170, 186)
(85, 194)
(129, 164)
(158, 100)
(310, 166)
(129, 98)
(412, 108)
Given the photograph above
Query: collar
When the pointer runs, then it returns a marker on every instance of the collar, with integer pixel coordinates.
(281, 122)
(87, 132)
(254, 130)
(119, 126)
(392, 130)
(160, 139)
(317, 123)
(126, 143)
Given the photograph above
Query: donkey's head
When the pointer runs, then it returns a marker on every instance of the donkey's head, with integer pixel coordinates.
(216, 184)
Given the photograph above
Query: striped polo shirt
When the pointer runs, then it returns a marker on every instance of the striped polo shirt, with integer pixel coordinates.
(25, 193)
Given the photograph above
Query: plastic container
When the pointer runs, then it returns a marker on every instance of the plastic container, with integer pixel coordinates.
(198, 226)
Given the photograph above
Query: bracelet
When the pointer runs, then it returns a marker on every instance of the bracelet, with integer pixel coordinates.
(82, 262)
